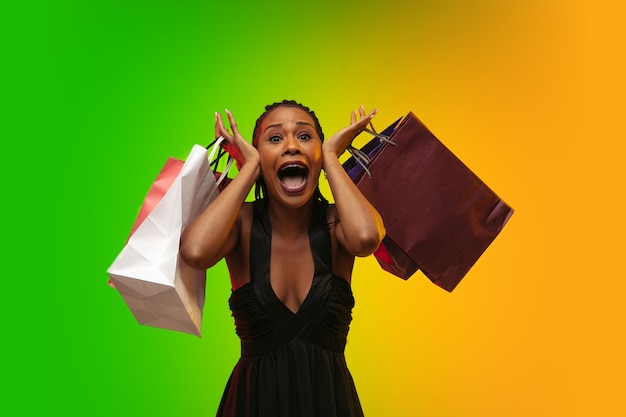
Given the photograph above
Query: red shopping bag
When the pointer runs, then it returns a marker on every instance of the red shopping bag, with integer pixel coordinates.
(440, 217)
(157, 190)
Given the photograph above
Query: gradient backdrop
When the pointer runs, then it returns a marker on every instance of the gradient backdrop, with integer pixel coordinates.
(97, 94)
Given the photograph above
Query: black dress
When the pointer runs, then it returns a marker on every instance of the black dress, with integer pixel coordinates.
(292, 364)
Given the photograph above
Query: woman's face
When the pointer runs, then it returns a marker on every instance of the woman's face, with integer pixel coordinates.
(291, 155)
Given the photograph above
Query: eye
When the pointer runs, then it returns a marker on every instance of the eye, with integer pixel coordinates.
(274, 139)
(304, 136)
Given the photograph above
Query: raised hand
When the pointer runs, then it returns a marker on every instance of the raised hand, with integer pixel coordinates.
(235, 145)
(361, 228)
(338, 142)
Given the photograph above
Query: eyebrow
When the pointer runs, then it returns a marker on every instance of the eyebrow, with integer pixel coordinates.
(280, 125)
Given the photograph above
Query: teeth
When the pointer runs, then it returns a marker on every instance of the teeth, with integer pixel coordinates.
(292, 166)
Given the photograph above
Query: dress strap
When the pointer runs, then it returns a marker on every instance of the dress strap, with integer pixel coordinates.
(319, 238)
(260, 242)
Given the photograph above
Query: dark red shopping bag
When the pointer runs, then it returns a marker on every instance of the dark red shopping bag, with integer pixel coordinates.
(440, 217)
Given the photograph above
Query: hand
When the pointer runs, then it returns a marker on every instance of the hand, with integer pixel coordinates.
(235, 144)
(338, 142)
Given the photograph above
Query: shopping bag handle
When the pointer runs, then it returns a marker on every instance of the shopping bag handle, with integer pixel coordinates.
(224, 173)
(212, 146)
(380, 136)
(216, 145)
(361, 157)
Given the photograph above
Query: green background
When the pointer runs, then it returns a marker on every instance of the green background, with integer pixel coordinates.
(97, 94)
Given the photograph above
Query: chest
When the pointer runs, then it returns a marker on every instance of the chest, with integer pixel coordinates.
(291, 269)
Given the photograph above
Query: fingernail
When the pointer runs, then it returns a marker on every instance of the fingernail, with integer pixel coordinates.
(215, 115)
(227, 111)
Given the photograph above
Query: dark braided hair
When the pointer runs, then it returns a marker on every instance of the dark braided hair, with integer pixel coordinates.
(259, 186)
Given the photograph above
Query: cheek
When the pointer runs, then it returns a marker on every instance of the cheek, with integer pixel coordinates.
(267, 159)
(315, 152)
(317, 162)
(266, 167)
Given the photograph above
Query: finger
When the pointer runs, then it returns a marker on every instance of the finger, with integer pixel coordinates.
(233, 124)
(217, 125)
(362, 112)
(364, 120)
(220, 129)
(353, 117)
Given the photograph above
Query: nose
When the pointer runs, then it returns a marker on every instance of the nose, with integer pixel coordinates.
(292, 146)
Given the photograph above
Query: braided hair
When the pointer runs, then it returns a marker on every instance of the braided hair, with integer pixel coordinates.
(259, 186)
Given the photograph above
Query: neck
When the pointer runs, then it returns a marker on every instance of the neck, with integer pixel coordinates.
(290, 221)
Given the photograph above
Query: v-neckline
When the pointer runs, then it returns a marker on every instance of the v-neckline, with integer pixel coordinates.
(261, 246)
(310, 289)
(282, 303)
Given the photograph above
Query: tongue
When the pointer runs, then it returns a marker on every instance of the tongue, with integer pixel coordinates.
(293, 183)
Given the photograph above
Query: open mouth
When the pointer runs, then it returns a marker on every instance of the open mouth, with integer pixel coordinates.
(293, 177)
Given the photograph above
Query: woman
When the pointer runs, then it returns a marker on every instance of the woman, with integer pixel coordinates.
(290, 256)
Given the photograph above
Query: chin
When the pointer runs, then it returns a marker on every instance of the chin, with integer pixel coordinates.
(293, 199)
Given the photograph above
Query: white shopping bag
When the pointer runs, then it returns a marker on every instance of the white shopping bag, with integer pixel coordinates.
(160, 289)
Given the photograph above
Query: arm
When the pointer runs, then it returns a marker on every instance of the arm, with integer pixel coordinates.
(214, 232)
(361, 228)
